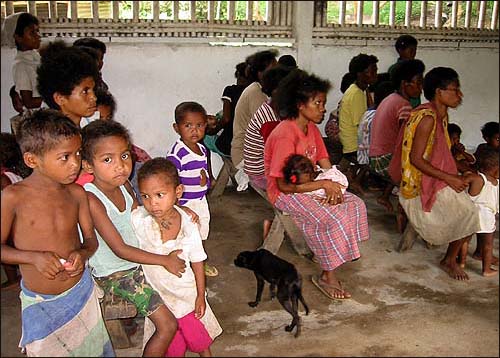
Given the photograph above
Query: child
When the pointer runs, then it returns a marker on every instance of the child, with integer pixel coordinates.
(162, 227)
(465, 161)
(106, 154)
(490, 133)
(13, 170)
(100, 48)
(21, 30)
(190, 159)
(483, 190)
(406, 47)
(298, 169)
(66, 80)
(61, 315)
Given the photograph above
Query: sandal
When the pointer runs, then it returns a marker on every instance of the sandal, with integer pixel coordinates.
(210, 271)
(333, 292)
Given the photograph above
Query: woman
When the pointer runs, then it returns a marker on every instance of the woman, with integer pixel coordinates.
(430, 184)
(332, 226)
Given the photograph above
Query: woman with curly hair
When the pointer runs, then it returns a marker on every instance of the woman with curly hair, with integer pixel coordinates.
(334, 225)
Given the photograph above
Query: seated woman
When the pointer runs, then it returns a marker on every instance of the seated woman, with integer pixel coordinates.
(334, 225)
(430, 184)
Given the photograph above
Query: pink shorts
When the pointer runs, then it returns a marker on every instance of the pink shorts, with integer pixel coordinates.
(191, 335)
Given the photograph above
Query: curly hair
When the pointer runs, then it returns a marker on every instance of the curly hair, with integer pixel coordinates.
(297, 88)
(438, 77)
(361, 62)
(105, 98)
(91, 42)
(43, 130)
(97, 130)
(295, 165)
(489, 129)
(487, 159)
(272, 77)
(405, 41)
(405, 70)
(258, 62)
(158, 166)
(61, 69)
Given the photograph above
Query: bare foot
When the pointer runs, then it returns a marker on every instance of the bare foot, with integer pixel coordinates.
(494, 259)
(489, 272)
(266, 226)
(385, 203)
(453, 270)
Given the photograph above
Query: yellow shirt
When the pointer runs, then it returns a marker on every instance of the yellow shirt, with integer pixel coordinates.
(352, 108)
(411, 180)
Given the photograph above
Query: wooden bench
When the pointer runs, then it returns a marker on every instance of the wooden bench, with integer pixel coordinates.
(282, 226)
(227, 171)
(114, 310)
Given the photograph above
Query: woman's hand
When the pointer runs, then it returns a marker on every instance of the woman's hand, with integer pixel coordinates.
(457, 183)
(333, 192)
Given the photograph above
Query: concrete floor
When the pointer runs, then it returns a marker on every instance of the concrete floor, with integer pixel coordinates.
(402, 303)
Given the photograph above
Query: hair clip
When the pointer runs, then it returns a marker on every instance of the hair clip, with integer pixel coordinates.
(293, 179)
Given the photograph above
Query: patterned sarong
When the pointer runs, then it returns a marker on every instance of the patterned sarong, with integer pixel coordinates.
(66, 325)
(380, 165)
(332, 232)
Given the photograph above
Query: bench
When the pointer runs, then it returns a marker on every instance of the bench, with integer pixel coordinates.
(114, 310)
(227, 171)
(282, 226)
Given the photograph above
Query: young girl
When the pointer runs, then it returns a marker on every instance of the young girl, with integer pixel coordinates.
(116, 264)
(299, 169)
(162, 227)
(483, 190)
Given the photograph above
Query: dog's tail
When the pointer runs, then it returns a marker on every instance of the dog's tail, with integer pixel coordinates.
(296, 289)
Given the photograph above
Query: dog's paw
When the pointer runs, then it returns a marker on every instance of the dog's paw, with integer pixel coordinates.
(253, 304)
(289, 328)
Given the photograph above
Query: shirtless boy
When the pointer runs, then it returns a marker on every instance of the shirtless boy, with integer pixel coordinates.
(42, 214)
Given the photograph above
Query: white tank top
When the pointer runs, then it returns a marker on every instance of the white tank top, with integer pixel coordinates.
(488, 197)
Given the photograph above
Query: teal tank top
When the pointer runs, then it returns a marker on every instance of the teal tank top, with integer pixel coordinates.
(104, 262)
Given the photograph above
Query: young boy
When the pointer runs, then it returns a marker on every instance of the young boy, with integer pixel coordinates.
(116, 263)
(190, 159)
(490, 132)
(66, 80)
(406, 47)
(465, 161)
(61, 315)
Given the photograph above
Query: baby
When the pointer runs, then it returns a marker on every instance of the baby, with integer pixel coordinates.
(299, 169)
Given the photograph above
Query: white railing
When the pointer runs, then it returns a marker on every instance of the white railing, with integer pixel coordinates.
(433, 20)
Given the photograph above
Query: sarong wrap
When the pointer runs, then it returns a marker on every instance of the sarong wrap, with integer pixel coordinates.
(66, 325)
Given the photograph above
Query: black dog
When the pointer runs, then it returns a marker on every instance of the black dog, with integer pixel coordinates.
(277, 272)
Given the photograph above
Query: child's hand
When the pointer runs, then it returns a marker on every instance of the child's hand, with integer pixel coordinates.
(194, 217)
(199, 307)
(75, 264)
(203, 178)
(174, 264)
(48, 264)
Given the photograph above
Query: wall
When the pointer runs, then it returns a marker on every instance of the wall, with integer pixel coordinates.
(150, 79)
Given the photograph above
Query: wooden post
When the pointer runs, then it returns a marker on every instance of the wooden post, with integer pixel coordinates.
(156, 11)
(283, 9)
(211, 11)
(482, 14)
(269, 12)
(468, 13)
(53, 10)
(423, 14)
(193, 11)
(9, 8)
(31, 7)
(392, 13)
(438, 23)
(249, 11)
(74, 10)
(375, 13)
(342, 13)
(115, 10)
(135, 11)
(95, 11)
(494, 16)
(359, 17)
(231, 11)
(408, 14)
(454, 14)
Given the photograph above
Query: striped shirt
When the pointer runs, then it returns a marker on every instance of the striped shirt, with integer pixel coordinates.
(190, 167)
(253, 148)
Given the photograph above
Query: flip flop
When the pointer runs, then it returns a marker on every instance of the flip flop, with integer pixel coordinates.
(321, 285)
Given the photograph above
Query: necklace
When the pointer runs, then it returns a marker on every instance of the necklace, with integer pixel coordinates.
(165, 224)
